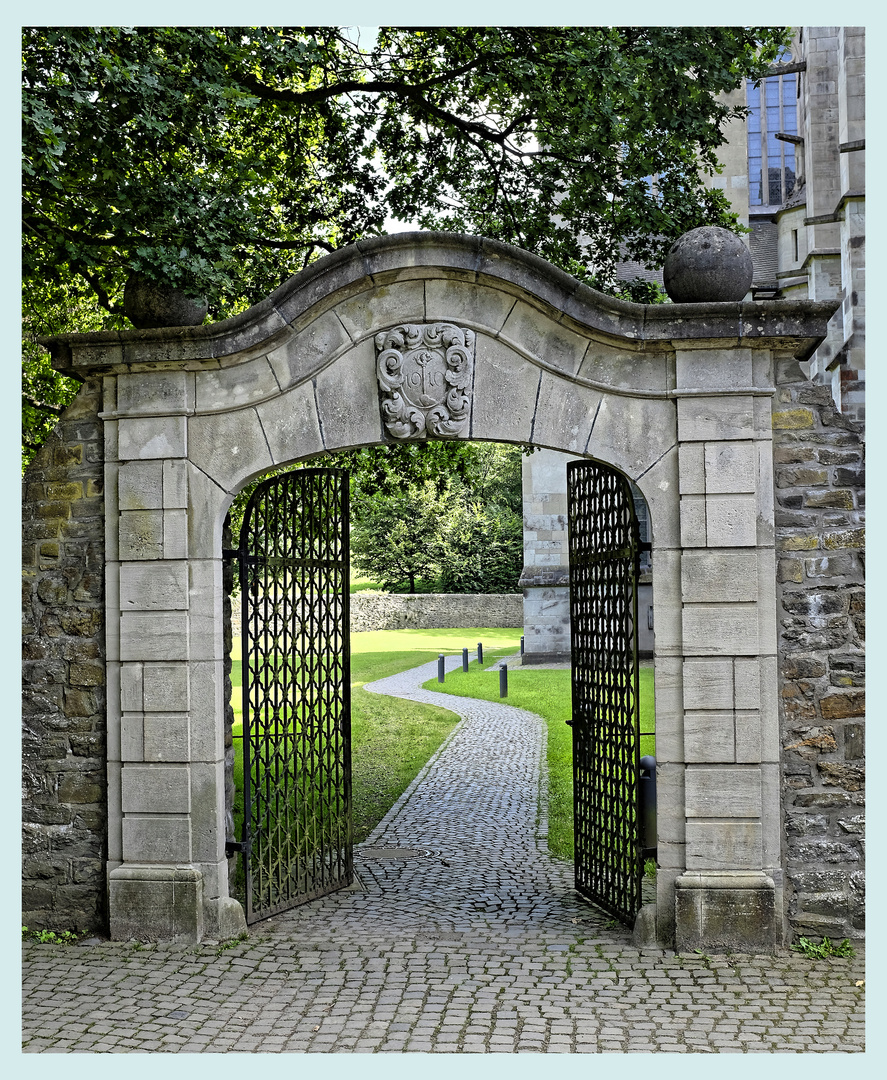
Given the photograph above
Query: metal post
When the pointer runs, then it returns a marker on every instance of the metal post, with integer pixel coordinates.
(647, 807)
(480, 652)
(440, 668)
(503, 680)
(522, 646)
(464, 659)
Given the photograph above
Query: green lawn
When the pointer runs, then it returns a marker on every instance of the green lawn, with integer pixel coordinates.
(548, 694)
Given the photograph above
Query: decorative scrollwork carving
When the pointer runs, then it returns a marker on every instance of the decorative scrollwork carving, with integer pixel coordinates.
(425, 374)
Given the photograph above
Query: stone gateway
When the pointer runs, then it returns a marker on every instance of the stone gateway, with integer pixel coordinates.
(418, 335)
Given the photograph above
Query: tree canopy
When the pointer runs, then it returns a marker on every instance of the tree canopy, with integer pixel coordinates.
(221, 160)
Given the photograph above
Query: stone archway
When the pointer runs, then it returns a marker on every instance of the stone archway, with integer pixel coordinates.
(678, 397)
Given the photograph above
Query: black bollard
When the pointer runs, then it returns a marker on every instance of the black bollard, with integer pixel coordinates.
(480, 653)
(440, 668)
(647, 807)
(503, 680)
(464, 659)
(522, 646)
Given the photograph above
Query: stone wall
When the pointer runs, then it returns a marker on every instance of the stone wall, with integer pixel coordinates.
(64, 813)
(434, 611)
(818, 459)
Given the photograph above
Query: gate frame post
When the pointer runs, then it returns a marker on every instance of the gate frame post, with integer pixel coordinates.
(726, 867)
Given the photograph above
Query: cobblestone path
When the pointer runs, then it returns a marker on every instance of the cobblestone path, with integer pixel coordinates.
(465, 936)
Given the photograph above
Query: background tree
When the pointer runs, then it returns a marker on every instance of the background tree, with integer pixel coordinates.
(452, 529)
(222, 160)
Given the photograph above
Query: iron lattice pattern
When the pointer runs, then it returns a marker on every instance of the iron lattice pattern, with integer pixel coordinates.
(604, 557)
(296, 691)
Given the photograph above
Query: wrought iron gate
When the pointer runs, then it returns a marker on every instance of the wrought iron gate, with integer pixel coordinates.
(296, 834)
(604, 558)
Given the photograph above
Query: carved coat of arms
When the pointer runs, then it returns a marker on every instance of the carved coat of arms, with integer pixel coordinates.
(425, 377)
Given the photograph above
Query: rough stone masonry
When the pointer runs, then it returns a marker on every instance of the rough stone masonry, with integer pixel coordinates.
(820, 502)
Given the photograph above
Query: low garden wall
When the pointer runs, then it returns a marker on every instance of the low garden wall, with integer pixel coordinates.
(434, 611)
(429, 611)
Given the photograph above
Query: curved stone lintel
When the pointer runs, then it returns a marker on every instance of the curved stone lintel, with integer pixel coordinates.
(795, 326)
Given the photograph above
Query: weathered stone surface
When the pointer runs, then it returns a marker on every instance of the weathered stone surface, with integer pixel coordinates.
(821, 652)
(426, 380)
(150, 304)
(705, 264)
(64, 811)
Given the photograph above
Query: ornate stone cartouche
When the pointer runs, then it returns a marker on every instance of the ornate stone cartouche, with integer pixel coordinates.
(426, 373)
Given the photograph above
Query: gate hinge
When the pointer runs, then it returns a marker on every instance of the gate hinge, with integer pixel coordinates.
(233, 846)
(234, 553)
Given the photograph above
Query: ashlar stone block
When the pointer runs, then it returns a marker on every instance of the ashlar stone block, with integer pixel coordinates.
(157, 838)
(290, 424)
(348, 399)
(747, 680)
(730, 467)
(381, 307)
(166, 687)
(131, 687)
(537, 335)
(723, 792)
(132, 737)
(713, 369)
(724, 845)
(709, 736)
(506, 386)
(231, 387)
(154, 586)
(230, 448)
(614, 433)
(717, 576)
(151, 437)
(748, 735)
(731, 521)
(728, 911)
(466, 303)
(141, 535)
(708, 684)
(721, 630)
(175, 484)
(309, 350)
(149, 635)
(161, 903)
(140, 485)
(564, 420)
(692, 468)
(693, 521)
(714, 419)
(156, 789)
(155, 392)
(166, 737)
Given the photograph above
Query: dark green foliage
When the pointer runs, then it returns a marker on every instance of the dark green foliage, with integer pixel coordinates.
(222, 160)
(452, 517)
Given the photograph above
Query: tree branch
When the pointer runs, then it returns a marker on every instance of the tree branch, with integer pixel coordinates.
(398, 89)
(41, 406)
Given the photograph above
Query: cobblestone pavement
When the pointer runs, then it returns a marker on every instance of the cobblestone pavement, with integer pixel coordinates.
(465, 936)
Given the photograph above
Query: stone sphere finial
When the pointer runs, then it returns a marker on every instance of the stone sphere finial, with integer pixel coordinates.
(707, 264)
(148, 304)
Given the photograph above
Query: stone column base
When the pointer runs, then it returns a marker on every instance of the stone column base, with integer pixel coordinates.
(156, 903)
(727, 909)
